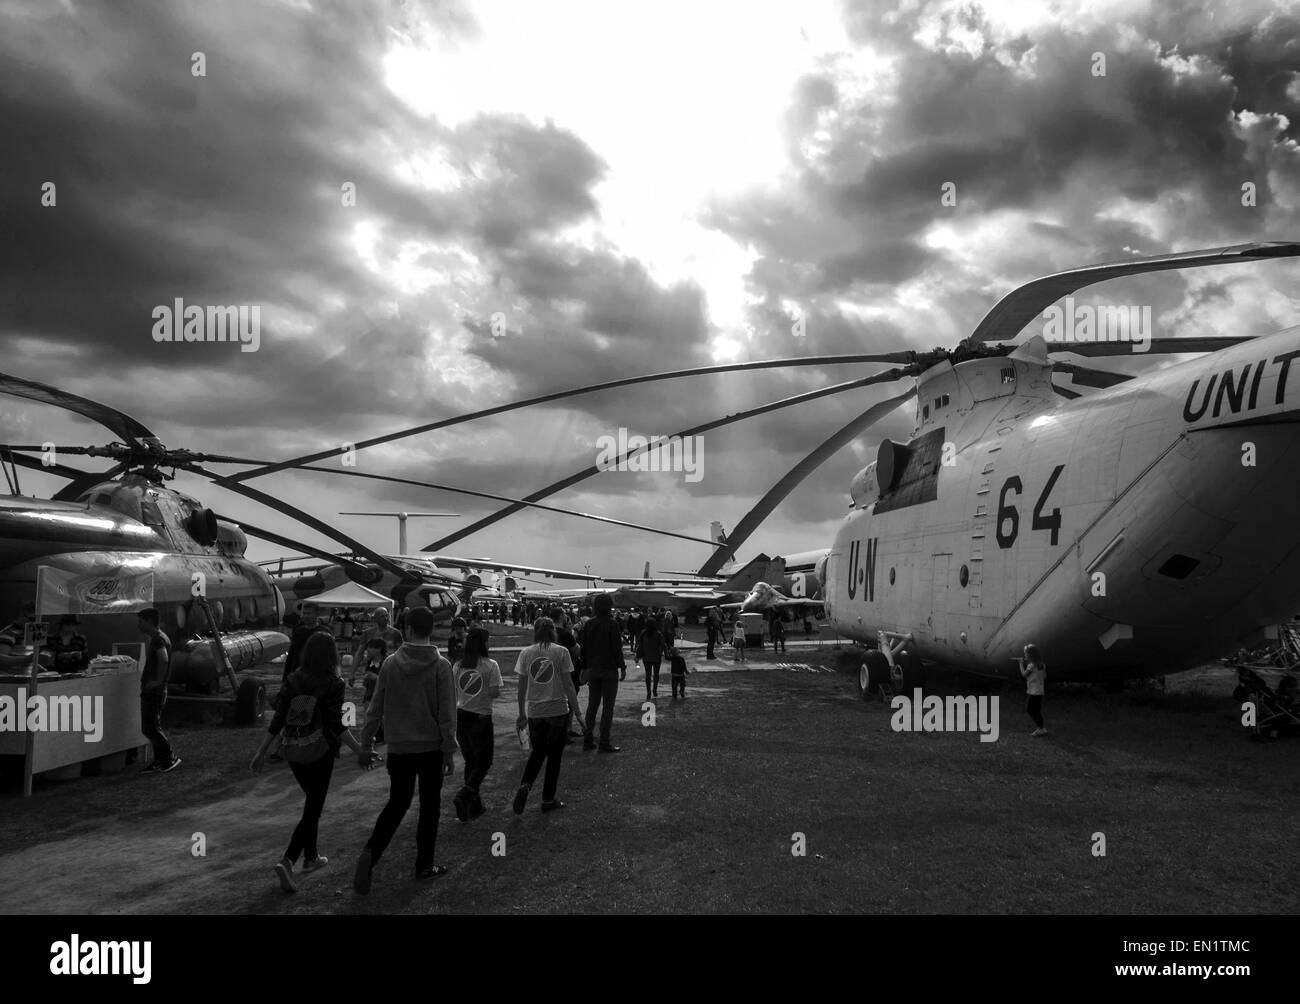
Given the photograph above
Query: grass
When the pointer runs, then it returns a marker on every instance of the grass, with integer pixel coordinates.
(698, 813)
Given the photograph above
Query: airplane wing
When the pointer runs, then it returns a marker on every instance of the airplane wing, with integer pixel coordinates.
(492, 565)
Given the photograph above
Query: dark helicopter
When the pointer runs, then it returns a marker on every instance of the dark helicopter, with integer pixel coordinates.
(126, 520)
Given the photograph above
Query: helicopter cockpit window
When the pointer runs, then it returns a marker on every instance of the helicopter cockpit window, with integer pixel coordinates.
(925, 412)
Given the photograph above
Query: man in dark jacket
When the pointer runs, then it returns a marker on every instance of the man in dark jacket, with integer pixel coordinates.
(602, 654)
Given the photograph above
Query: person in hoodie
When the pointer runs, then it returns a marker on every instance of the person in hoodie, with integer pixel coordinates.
(415, 702)
(650, 646)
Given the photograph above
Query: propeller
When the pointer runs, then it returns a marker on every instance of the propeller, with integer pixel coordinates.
(119, 423)
(583, 475)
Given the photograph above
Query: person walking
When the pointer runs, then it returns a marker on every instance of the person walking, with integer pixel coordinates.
(778, 633)
(546, 700)
(153, 692)
(478, 684)
(415, 702)
(309, 714)
(1034, 671)
(712, 627)
(602, 653)
(677, 663)
(651, 647)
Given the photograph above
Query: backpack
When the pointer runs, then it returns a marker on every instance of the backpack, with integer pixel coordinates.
(304, 736)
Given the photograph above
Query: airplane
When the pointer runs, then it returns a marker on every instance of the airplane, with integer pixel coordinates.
(1137, 531)
(687, 600)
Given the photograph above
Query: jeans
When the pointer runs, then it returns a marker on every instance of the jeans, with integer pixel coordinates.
(151, 709)
(713, 640)
(603, 690)
(404, 769)
(314, 779)
(547, 738)
(1035, 709)
(474, 733)
(652, 676)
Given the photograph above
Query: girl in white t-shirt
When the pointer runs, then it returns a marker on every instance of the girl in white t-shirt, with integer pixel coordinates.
(738, 642)
(546, 700)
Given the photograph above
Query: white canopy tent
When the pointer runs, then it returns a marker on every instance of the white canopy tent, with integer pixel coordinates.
(349, 595)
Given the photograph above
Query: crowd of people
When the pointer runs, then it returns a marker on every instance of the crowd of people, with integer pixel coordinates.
(423, 706)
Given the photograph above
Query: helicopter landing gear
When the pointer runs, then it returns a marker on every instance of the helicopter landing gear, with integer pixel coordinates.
(250, 701)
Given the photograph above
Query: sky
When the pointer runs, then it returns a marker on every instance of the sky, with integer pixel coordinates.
(553, 195)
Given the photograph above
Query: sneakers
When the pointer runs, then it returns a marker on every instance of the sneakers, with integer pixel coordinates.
(552, 805)
(606, 748)
(156, 767)
(361, 876)
(461, 804)
(150, 767)
(312, 864)
(284, 872)
(521, 799)
(1039, 732)
(432, 872)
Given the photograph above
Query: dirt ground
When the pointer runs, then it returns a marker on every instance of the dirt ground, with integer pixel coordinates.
(701, 811)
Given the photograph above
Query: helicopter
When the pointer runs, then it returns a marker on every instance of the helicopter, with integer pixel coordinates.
(127, 519)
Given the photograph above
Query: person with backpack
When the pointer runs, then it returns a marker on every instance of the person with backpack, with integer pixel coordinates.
(478, 684)
(415, 702)
(309, 716)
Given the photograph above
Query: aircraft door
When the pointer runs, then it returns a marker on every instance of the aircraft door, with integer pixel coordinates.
(939, 597)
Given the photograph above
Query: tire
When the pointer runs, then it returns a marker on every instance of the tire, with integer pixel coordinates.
(909, 672)
(250, 701)
(872, 674)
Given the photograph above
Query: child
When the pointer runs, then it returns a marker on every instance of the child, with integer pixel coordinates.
(738, 642)
(1034, 670)
(372, 660)
(679, 674)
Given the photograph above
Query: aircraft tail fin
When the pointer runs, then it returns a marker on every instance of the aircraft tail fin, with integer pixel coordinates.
(719, 535)
(759, 569)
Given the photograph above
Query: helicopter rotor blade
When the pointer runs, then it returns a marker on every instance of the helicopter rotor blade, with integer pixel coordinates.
(280, 506)
(296, 545)
(583, 475)
(1158, 346)
(1086, 376)
(119, 423)
(504, 498)
(876, 357)
(778, 492)
(1010, 314)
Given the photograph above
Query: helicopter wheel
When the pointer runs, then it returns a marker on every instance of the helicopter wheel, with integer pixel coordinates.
(250, 701)
(873, 674)
(908, 673)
